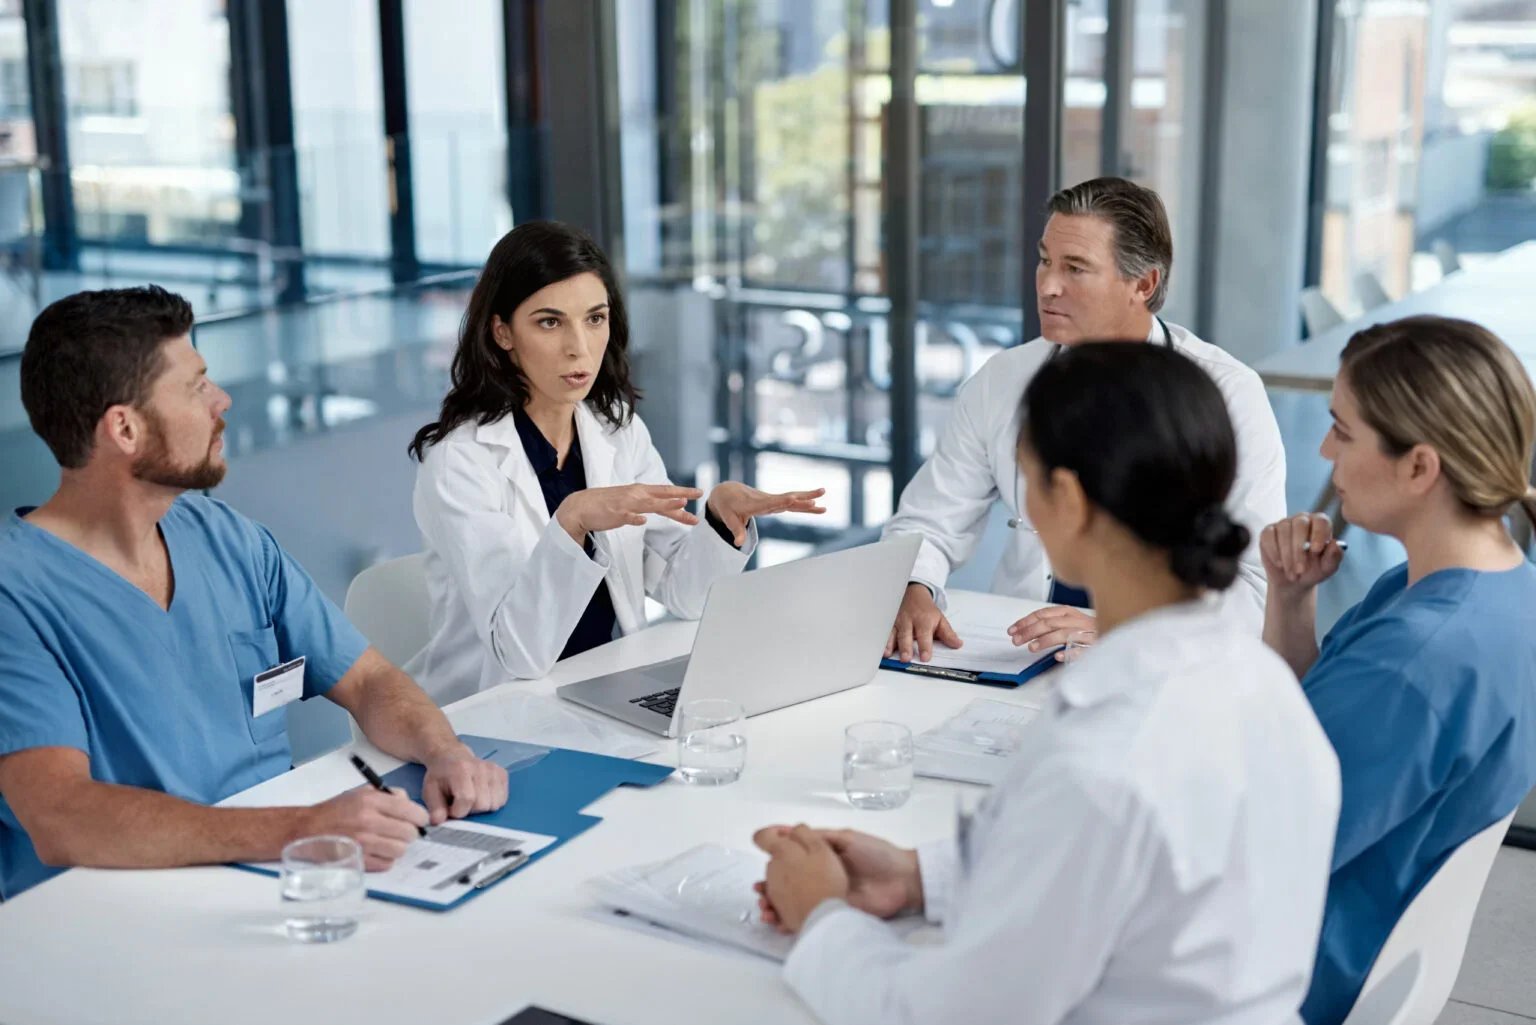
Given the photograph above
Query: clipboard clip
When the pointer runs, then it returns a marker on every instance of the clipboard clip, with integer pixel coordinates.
(943, 672)
(501, 873)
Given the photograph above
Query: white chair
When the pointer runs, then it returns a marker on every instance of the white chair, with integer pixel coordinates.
(1434, 931)
(1317, 312)
(389, 604)
(1369, 289)
(1391, 1002)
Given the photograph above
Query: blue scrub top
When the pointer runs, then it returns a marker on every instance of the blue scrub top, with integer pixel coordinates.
(1428, 694)
(159, 699)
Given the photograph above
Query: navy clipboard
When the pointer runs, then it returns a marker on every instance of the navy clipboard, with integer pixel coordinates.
(546, 789)
(1045, 663)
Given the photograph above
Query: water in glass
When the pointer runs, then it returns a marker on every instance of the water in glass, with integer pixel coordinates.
(877, 765)
(322, 888)
(711, 749)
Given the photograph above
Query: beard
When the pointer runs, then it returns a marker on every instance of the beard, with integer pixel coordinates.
(156, 466)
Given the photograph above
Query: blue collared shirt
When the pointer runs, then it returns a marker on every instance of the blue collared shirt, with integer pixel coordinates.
(1428, 694)
(157, 698)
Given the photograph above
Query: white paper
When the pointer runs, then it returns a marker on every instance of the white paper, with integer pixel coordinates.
(434, 868)
(703, 895)
(976, 744)
(535, 719)
(986, 646)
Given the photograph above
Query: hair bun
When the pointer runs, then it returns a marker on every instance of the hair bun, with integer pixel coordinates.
(1208, 558)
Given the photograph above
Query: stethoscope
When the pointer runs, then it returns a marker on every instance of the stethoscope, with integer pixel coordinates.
(1017, 522)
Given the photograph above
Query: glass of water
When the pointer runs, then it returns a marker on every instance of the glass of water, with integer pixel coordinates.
(877, 764)
(711, 749)
(322, 888)
(1078, 643)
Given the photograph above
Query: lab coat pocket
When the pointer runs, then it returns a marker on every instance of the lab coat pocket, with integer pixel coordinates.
(255, 651)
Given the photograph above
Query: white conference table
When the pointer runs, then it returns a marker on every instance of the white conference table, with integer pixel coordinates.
(201, 945)
(1497, 294)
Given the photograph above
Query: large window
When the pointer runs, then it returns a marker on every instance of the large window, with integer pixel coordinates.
(151, 137)
(455, 83)
(338, 120)
(1431, 142)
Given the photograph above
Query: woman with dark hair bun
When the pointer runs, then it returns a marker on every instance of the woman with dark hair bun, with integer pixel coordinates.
(545, 511)
(1158, 850)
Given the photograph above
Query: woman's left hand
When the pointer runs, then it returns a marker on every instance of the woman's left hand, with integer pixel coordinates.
(734, 504)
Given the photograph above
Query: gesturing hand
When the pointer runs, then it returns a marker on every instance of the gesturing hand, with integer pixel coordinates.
(734, 504)
(626, 505)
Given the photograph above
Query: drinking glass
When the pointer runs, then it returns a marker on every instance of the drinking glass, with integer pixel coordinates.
(1078, 643)
(323, 888)
(711, 749)
(877, 764)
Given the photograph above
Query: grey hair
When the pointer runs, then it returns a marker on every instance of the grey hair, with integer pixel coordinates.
(1143, 238)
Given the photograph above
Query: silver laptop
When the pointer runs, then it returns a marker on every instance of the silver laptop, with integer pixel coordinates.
(770, 638)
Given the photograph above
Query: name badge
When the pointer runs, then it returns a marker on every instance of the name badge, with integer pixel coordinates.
(278, 686)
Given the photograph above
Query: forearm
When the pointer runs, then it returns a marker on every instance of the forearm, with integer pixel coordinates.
(1290, 627)
(399, 718)
(103, 825)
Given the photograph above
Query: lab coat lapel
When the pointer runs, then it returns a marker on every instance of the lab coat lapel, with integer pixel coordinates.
(622, 546)
(515, 466)
(597, 448)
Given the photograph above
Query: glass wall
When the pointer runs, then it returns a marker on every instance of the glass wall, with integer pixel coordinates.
(17, 140)
(456, 92)
(1431, 142)
(151, 137)
(769, 193)
(338, 120)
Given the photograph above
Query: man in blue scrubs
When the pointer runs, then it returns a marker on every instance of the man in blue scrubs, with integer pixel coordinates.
(151, 637)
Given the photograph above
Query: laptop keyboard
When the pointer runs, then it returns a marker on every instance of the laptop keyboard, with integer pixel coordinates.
(662, 702)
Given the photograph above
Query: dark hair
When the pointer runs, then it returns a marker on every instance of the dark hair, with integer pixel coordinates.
(91, 351)
(486, 384)
(1148, 435)
(1143, 239)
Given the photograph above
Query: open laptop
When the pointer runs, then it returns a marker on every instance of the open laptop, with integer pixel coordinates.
(770, 638)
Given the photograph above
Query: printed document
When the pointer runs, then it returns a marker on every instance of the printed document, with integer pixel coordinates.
(976, 744)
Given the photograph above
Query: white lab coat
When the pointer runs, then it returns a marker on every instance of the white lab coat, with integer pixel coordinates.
(973, 465)
(1158, 852)
(508, 584)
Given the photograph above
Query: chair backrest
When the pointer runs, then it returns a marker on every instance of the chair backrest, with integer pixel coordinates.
(1450, 260)
(1392, 1000)
(1317, 312)
(1369, 290)
(389, 604)
(1434, 929)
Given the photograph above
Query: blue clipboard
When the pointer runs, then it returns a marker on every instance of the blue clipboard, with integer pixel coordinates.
(1045, 663)
(547, 787)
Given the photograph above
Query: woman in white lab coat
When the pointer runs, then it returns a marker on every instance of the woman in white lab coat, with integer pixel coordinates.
(1159, 849)
(545, 511)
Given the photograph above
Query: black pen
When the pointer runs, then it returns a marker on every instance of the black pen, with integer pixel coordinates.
(377, 783)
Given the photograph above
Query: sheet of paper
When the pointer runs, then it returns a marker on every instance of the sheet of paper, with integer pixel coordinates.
(447, 863)
(986, 647)
(976, 744)
(536, 719)
(704, 895)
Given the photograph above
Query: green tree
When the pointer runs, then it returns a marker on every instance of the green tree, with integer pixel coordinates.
(1512, 152)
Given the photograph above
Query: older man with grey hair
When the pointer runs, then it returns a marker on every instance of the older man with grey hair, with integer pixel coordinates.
(1105, 258)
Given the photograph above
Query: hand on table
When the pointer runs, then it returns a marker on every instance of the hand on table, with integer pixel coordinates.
(458, 784)
(918, 623)
(877, 877)
(734, 504)
(1054, 626)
